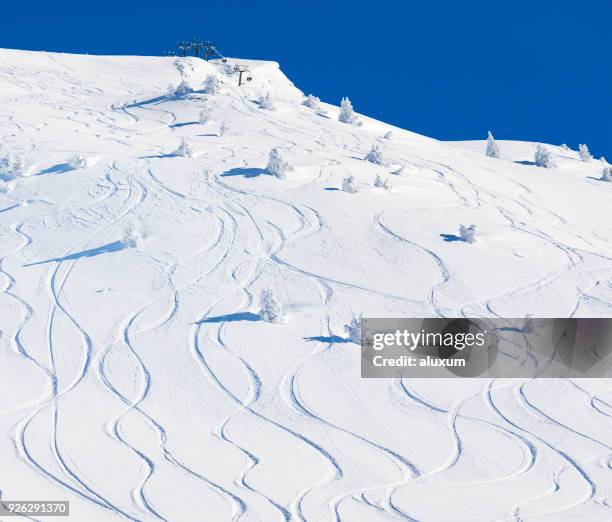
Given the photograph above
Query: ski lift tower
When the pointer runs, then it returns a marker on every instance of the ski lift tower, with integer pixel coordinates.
(210, 49)
(241, 69)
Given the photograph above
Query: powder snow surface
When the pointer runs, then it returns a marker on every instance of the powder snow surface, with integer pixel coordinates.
(138, 381)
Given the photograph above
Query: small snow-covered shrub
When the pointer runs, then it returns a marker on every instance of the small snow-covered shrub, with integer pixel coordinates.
(492, 147)
(223, 129)
(212, 85)
(184, 150)
(5, 187)
(11, 166)
(313, 102)
(180, 66)
(182, 89)
(132, 236)
(400, 171)
(388, 135)
(543, 157)
(467, 234)
(347, 114)
(353, 330)
(348, 185)
(606, 174)
(381, 183)
(227, 68)
(565, 147)
(18, 166)
(529, 324)
(270, 310)
(78, 161)
(277, 166)
(204, 116)
(375, 155)
(584, 153)
(266, 102)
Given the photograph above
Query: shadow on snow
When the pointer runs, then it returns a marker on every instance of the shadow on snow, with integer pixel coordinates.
(92, 252)
(332, 339)
(247, 173)
(231, 318)
(450, 237)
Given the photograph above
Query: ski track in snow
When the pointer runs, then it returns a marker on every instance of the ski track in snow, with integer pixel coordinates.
(194, 405)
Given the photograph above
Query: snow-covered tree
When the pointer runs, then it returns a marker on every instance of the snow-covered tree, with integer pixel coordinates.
(277, 166)
(388, 135)
(266, 102)
(375, 155)
(212, 85)
(353, 330)
(543, 157)
(180, 67)
(6, 186)
(227, 68)
(381, 183)
(179, 91)
(492, 147)
(583, 150)
(18, 166)
(204, 116)
(565, 147)
(132, 236)
(467, 234)
(270, 309)
(11, 166)
(184, 150)
(223, 129)
(529, 324)
(313, 102)
(606, 174)
(77, 161)
(348, 185)
(347, 114)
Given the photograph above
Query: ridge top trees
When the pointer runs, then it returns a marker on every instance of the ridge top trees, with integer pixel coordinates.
(347, 114)
(584, 152)
(543, 157)
(492, 147)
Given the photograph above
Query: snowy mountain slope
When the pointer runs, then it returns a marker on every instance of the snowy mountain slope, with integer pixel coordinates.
(140, 384)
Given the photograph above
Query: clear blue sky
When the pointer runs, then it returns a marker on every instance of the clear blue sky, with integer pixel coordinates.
(536, 70)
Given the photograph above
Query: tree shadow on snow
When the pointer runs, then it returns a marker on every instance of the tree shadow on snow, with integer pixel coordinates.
(147, 102)
(115, 246)
(60, 168)
(332, 189)
(514, 329)
(160, 156)
(231, 318)
(175, 125)
(332, 339)
(449, 238)
(247, 173)
(526, 162)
